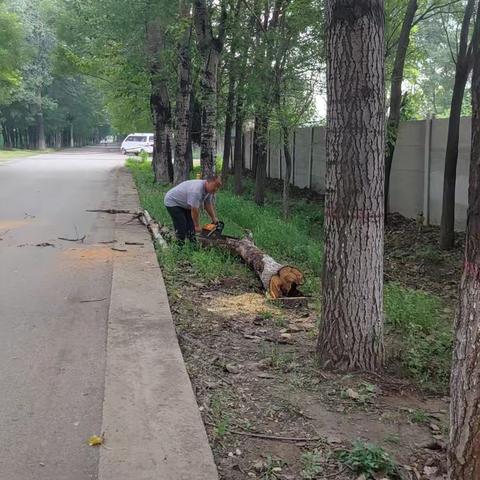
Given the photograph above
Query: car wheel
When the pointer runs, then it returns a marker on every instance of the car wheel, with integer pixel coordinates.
(124, 152)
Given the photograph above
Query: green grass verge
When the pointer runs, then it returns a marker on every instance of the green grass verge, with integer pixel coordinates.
(418, 321)
(9, 154)
(422, 328)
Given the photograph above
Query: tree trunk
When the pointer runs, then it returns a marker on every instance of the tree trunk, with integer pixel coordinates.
(288, 172)
(72, 142)
(181, 165)
(256, 126)
(210, 48)
(159, 102)
(463, 456)
(238, 151)
(351, 336)
(169, 155)
(447, 224)
(261, 173)
(396, 92)
(41, 145)
(278, 280)
(229, 119)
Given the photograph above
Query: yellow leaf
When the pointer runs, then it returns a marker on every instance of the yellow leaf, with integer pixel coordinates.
(95, 441)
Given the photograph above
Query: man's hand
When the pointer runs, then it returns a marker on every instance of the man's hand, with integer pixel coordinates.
(198, 228)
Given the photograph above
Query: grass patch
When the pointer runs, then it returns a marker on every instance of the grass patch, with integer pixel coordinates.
(424, 330)
(369, 460)
(9, 154)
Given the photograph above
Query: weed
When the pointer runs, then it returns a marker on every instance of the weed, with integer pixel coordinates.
(278, 358)
(369, 459)
(265, 315)
(311, 465)
(220, 403)
(419, 416)
(272, 467)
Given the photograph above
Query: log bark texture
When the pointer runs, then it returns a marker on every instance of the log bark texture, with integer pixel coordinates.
(464, 451)
(351, 336)
(278, 280)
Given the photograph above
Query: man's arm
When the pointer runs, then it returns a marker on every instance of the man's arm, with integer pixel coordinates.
(210, 209)
(195, 212)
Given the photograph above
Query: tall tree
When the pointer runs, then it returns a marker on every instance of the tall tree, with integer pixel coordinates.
(184, 72)
(351, 335)
(210, 47)
(463, 456)
(463, 67)
(396, 90)
(159, 101)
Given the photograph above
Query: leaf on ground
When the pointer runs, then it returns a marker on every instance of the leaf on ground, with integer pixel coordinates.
(95, 441)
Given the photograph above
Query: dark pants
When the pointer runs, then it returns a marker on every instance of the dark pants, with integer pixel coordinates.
(183, 223)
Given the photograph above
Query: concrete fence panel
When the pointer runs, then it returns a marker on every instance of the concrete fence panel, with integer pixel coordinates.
(302, 156)
(319, 160)
(407, 170)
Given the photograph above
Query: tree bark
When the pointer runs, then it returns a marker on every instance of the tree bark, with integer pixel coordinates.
(463, 67)
(41, 145)
(351, 336)
(210, 48)
(182, 164)
(261, 173)
(159, 102)
(463, 455)
(288, 172)
(229, 120)
(238, 150)
(396, 92)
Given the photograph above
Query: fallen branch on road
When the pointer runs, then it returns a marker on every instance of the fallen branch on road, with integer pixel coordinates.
(81, 240)
(155, 229)
(112, 211)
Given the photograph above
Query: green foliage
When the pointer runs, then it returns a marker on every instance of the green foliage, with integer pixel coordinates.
(369, 459)
(425, 334)
(11, 51)
(311, 465)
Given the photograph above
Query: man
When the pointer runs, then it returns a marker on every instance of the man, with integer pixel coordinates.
(184, 202)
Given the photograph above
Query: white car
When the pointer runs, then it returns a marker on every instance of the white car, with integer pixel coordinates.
(137, 142)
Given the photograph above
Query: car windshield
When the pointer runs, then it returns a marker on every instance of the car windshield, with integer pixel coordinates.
(135, 138)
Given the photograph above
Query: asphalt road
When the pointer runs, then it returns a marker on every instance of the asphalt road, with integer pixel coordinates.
(52, 335)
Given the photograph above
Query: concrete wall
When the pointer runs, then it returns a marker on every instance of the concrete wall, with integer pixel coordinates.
(417, 171)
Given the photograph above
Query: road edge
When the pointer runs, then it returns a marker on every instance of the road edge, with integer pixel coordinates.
(151, 421)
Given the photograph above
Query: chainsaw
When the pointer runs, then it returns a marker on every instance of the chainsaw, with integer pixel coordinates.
(212, 230)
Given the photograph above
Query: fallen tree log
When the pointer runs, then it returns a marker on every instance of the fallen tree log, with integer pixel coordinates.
(278, 280)
(155, 229)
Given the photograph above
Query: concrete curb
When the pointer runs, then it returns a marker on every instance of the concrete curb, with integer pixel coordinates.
(152, 425)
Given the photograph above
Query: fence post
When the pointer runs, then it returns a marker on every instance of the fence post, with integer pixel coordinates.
(426, 170)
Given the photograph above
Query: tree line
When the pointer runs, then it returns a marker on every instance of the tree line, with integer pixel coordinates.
(43, 102)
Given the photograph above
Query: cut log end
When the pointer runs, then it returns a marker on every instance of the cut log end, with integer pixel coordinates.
(286, 282)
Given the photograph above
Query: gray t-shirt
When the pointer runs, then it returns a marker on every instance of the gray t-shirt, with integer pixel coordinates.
(189, 194)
